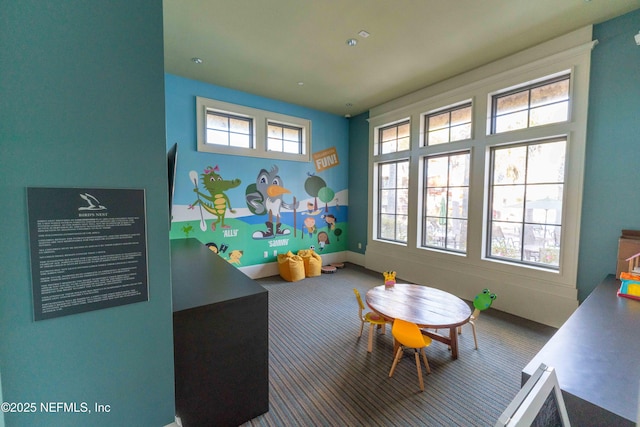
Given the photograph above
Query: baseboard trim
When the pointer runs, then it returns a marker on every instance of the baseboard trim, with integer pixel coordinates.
(271, 269)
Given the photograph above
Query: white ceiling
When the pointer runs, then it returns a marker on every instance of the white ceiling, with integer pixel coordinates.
(266, 47)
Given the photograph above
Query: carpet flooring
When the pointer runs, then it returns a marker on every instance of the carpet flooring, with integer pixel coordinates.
(320, 373)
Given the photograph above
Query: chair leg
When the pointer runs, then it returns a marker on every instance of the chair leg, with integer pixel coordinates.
(395, 361)
(361, 327)
(426, 363)
(420, 380)
(475, 339)
(370, 345)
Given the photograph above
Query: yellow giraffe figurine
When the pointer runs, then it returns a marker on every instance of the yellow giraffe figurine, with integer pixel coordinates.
(389, 278)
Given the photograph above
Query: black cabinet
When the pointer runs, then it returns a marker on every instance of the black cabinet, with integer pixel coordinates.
(220, 338)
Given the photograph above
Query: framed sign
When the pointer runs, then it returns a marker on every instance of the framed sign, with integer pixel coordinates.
(88, 249)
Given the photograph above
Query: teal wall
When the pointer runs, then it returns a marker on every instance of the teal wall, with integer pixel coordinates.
(327, 131)
(1, 400)
(82, 105)
(358, 182)
(611, 201)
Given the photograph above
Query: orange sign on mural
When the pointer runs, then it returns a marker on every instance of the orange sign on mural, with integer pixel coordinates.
(326, 159)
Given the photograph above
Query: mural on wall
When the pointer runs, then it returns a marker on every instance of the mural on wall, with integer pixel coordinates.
(265, 196)
(279, 210)
(216, 201)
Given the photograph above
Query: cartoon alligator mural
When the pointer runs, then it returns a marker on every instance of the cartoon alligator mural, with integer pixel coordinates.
(216, 202)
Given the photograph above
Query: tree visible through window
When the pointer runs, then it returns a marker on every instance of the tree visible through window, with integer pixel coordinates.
(446, 199)
(393, 199)
(526, 202)
(453, 124)
(394, 138)
(535, 105)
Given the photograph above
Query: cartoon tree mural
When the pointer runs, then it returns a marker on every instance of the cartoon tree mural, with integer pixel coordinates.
(326, 195)
(313, 185)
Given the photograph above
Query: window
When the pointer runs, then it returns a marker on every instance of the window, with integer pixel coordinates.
(394, 138)
(453, 124)
(393, 199)
(284, 138)
(445, 198)
(527, 186)
(502, 205)
(534, 105)
(226, 128)
(229, 130)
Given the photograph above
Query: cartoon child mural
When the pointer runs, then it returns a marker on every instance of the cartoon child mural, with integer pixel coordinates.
(323, 239)
(330, 219)
(266, 197)
(213, 247)
(216, 202)
(310, 225)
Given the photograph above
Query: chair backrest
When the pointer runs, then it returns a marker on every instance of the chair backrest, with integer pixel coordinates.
(407, 334)
(482, 301)
(360, 303)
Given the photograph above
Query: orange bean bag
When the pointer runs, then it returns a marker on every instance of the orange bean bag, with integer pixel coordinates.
(291, 267)
(312, 262)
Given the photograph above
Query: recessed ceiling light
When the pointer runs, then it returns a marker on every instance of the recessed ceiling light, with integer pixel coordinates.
(197, 60)
(300, 83)
(363, 33)
(348, 105)
(352, 42)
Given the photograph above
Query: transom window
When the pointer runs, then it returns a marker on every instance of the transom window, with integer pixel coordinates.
(527, 186)
(393, 200)
(453, 124)
(284, 138)
(233, 129)
(394, 138)
(229, 130)
(446, 200)
(534, 105)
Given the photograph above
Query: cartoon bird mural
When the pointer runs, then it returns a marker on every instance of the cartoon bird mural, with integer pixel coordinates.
(265, 196)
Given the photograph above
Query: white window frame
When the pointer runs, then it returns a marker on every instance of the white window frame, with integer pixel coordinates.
(553, 291)
(520, 241)
(424, 131)
(379, 189)
(261, 119)
(529, 85)
(423, 214)
(378, 159)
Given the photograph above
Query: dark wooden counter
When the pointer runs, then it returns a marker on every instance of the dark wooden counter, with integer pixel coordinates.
(596, 357)
(220, 333)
